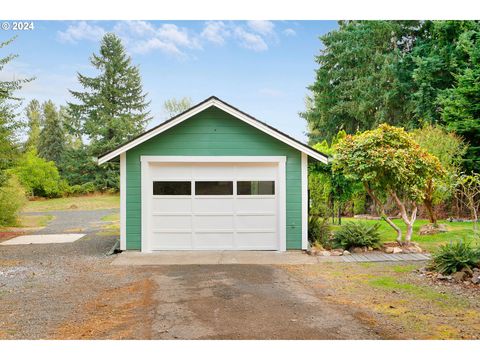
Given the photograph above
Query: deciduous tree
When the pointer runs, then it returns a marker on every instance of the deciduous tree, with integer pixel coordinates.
(389, 163)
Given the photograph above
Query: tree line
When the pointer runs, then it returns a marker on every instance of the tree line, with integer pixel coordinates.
(403, 73)
(58, 155)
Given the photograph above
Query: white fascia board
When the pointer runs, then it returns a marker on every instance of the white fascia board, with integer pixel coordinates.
(227, 109)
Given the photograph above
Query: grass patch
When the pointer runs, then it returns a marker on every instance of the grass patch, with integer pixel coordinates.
(110, 230)
(87, 202)
(390, 283)
(404, 268)
(35, 220)
(111, 217)
(456, 231)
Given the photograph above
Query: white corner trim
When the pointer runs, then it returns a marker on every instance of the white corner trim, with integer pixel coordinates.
(228, 109)
(304, 171)
(145, 206)
(123, 201)
(282, 202)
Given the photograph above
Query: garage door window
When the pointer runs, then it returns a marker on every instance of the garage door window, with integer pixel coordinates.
(172, 188)
(214, 188)
(256, 188)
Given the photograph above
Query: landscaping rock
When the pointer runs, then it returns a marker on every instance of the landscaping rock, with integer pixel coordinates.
(443, 277)
(324, 253)
(429, 229)
(468, 271)
(388, 250)
(346, 252)
(336, 252)
(459, 276)
(397, 250)
(358, 250)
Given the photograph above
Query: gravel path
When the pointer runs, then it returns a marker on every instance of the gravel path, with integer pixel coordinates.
(74, 221)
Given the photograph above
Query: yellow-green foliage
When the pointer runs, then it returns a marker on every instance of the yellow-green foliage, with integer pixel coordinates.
(12, 198)
(38, 176)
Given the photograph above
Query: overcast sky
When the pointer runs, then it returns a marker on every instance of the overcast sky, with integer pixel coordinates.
(261, 67)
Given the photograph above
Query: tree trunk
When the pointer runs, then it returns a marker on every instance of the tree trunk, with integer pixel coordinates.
(339, 214)
(381, 211)
(432, 217)
(408, 221)
(428, 202)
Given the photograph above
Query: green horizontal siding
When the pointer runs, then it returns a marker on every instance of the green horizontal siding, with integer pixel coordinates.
(214, 133)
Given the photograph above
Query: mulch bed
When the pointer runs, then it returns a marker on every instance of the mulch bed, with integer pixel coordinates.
(7, 235)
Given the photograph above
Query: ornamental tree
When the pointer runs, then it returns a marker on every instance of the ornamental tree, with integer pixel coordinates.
(389, 163)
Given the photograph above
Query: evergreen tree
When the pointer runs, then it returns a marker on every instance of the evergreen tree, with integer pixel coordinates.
(9, 124)
(440, 54)
(460, 105)
(51, 144)
(113, 107)
(111, 110)
(363, 78)
(34, 118)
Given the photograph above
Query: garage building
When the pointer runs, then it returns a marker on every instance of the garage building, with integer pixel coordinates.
(213, 178)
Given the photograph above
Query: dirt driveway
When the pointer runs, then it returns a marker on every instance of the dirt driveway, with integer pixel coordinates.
(71, 291)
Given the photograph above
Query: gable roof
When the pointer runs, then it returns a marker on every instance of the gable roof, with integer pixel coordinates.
(222, 105)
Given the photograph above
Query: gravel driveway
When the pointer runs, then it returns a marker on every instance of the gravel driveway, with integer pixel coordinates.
(83, 221)
(71, 291)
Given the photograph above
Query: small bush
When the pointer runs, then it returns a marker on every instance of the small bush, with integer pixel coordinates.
(319, 231)
(357, 234)
(12, 198)
(38, 176)
(456, 256)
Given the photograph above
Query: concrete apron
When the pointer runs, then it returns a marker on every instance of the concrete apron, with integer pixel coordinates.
(253, 258)
(213, 257)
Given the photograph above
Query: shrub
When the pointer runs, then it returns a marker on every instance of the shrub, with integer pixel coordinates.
(319, 231)
(38, 176)
(357, 234)
(456, 256)
(12, 198)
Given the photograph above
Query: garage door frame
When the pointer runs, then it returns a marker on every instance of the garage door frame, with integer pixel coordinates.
(146, 161)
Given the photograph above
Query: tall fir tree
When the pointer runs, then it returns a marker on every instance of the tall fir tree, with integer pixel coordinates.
(362, 79)
(9, 123)
(51, 144)
(112, 109)
(34, 120)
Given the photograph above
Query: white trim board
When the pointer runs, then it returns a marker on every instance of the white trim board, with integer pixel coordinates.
(228, 109)
(123, 201)
(304, 173)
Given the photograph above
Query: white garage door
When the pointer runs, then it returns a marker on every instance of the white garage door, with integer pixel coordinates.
(213, 206)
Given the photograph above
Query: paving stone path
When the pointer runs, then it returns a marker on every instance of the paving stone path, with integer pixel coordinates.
(374, 257)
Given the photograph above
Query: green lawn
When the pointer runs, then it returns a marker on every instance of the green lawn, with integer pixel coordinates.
(88, 202)
(457, 231)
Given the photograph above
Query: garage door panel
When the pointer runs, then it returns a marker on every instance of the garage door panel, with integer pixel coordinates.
(170, 172)
(258, 171)
(213, 172)
(214, 240)
(172, 205)
(174, 222)
(255, 204)
(213, 222)
(256, 222)
(256, 241)
(217, 204)
(171, 241)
